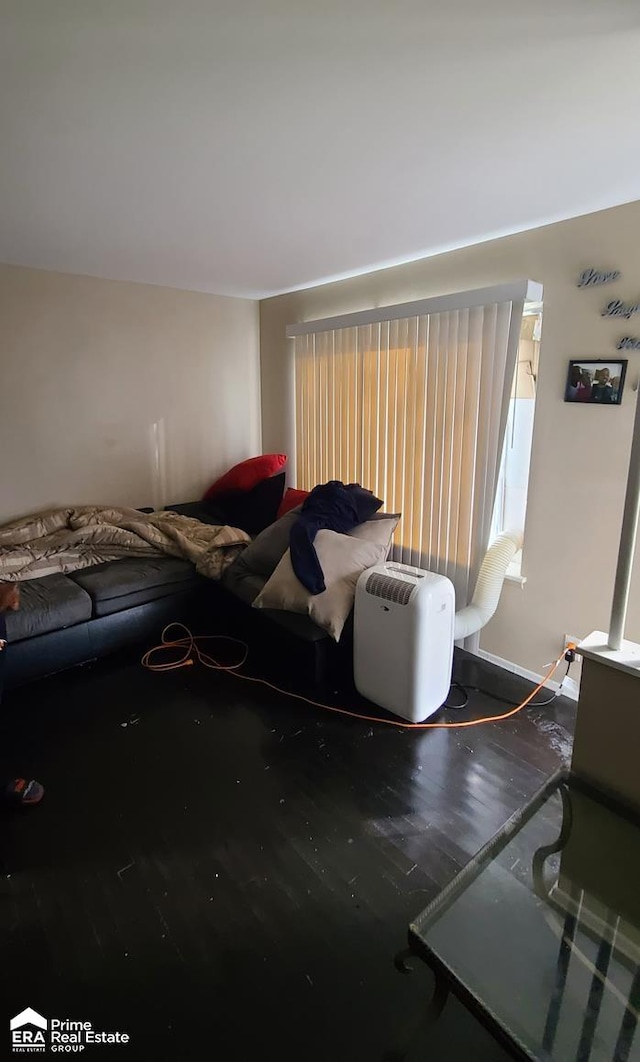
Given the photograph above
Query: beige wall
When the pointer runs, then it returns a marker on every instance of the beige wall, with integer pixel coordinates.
(580, 454)
(88, 365)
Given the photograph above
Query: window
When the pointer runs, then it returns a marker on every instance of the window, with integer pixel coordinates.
(513, 481)
(413, 401)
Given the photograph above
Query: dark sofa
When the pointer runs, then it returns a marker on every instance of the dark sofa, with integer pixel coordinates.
(65, 620)
(72, 619)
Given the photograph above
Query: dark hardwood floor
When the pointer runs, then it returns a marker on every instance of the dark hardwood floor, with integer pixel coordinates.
(230, 874)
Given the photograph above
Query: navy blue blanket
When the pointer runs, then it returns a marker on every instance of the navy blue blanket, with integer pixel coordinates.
(331, 506)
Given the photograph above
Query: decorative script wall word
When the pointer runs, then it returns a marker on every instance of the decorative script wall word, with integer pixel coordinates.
(592, 278)
(618, 308)
(628, 343)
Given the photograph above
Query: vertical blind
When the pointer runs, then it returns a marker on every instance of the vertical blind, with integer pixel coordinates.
(415, 409)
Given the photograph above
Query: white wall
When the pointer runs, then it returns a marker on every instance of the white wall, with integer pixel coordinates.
(580, 453)
(87, 365)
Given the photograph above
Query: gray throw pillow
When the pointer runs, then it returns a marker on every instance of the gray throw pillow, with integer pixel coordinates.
(268, 548)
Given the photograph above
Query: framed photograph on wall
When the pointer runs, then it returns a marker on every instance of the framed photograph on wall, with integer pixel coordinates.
(595, 382)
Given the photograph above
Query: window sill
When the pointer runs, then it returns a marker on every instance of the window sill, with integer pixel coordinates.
(514, 571)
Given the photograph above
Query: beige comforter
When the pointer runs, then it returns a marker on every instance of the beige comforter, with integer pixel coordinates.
(64, 540)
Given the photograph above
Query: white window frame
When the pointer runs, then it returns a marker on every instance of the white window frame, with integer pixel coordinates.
(523, 429)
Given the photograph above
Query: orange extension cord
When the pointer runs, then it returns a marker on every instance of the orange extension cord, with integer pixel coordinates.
(191, 652)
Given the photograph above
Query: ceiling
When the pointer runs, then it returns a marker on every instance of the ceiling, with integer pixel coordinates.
(248, 147)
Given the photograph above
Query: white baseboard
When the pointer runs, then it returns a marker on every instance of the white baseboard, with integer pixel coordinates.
(570, 688)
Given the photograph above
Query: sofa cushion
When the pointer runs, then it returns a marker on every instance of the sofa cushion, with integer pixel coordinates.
(251, 510)
(291, 499)
(110, 605)
(243, 584)
(246, 475)
(254, 510)
(342, 559)
(268, 548)
(47, 604)
(150, 577)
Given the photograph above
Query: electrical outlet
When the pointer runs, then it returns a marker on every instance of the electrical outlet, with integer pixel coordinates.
(574, 639)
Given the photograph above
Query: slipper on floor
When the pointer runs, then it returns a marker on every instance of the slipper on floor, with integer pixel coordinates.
(23, 793)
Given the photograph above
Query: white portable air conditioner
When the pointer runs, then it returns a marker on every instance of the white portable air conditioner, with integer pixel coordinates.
(403, 639)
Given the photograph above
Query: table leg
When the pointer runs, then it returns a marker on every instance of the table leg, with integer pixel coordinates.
(543, 853)
(562, 967)
(431, 1013)
(596, 992)
(629, 1022)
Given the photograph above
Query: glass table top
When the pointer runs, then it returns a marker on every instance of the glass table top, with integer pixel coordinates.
(540, 933)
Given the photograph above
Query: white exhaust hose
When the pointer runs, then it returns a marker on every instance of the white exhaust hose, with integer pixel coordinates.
(489, 584)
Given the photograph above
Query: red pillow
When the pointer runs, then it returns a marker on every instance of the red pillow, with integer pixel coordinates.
(292, 497)
(246, 475)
